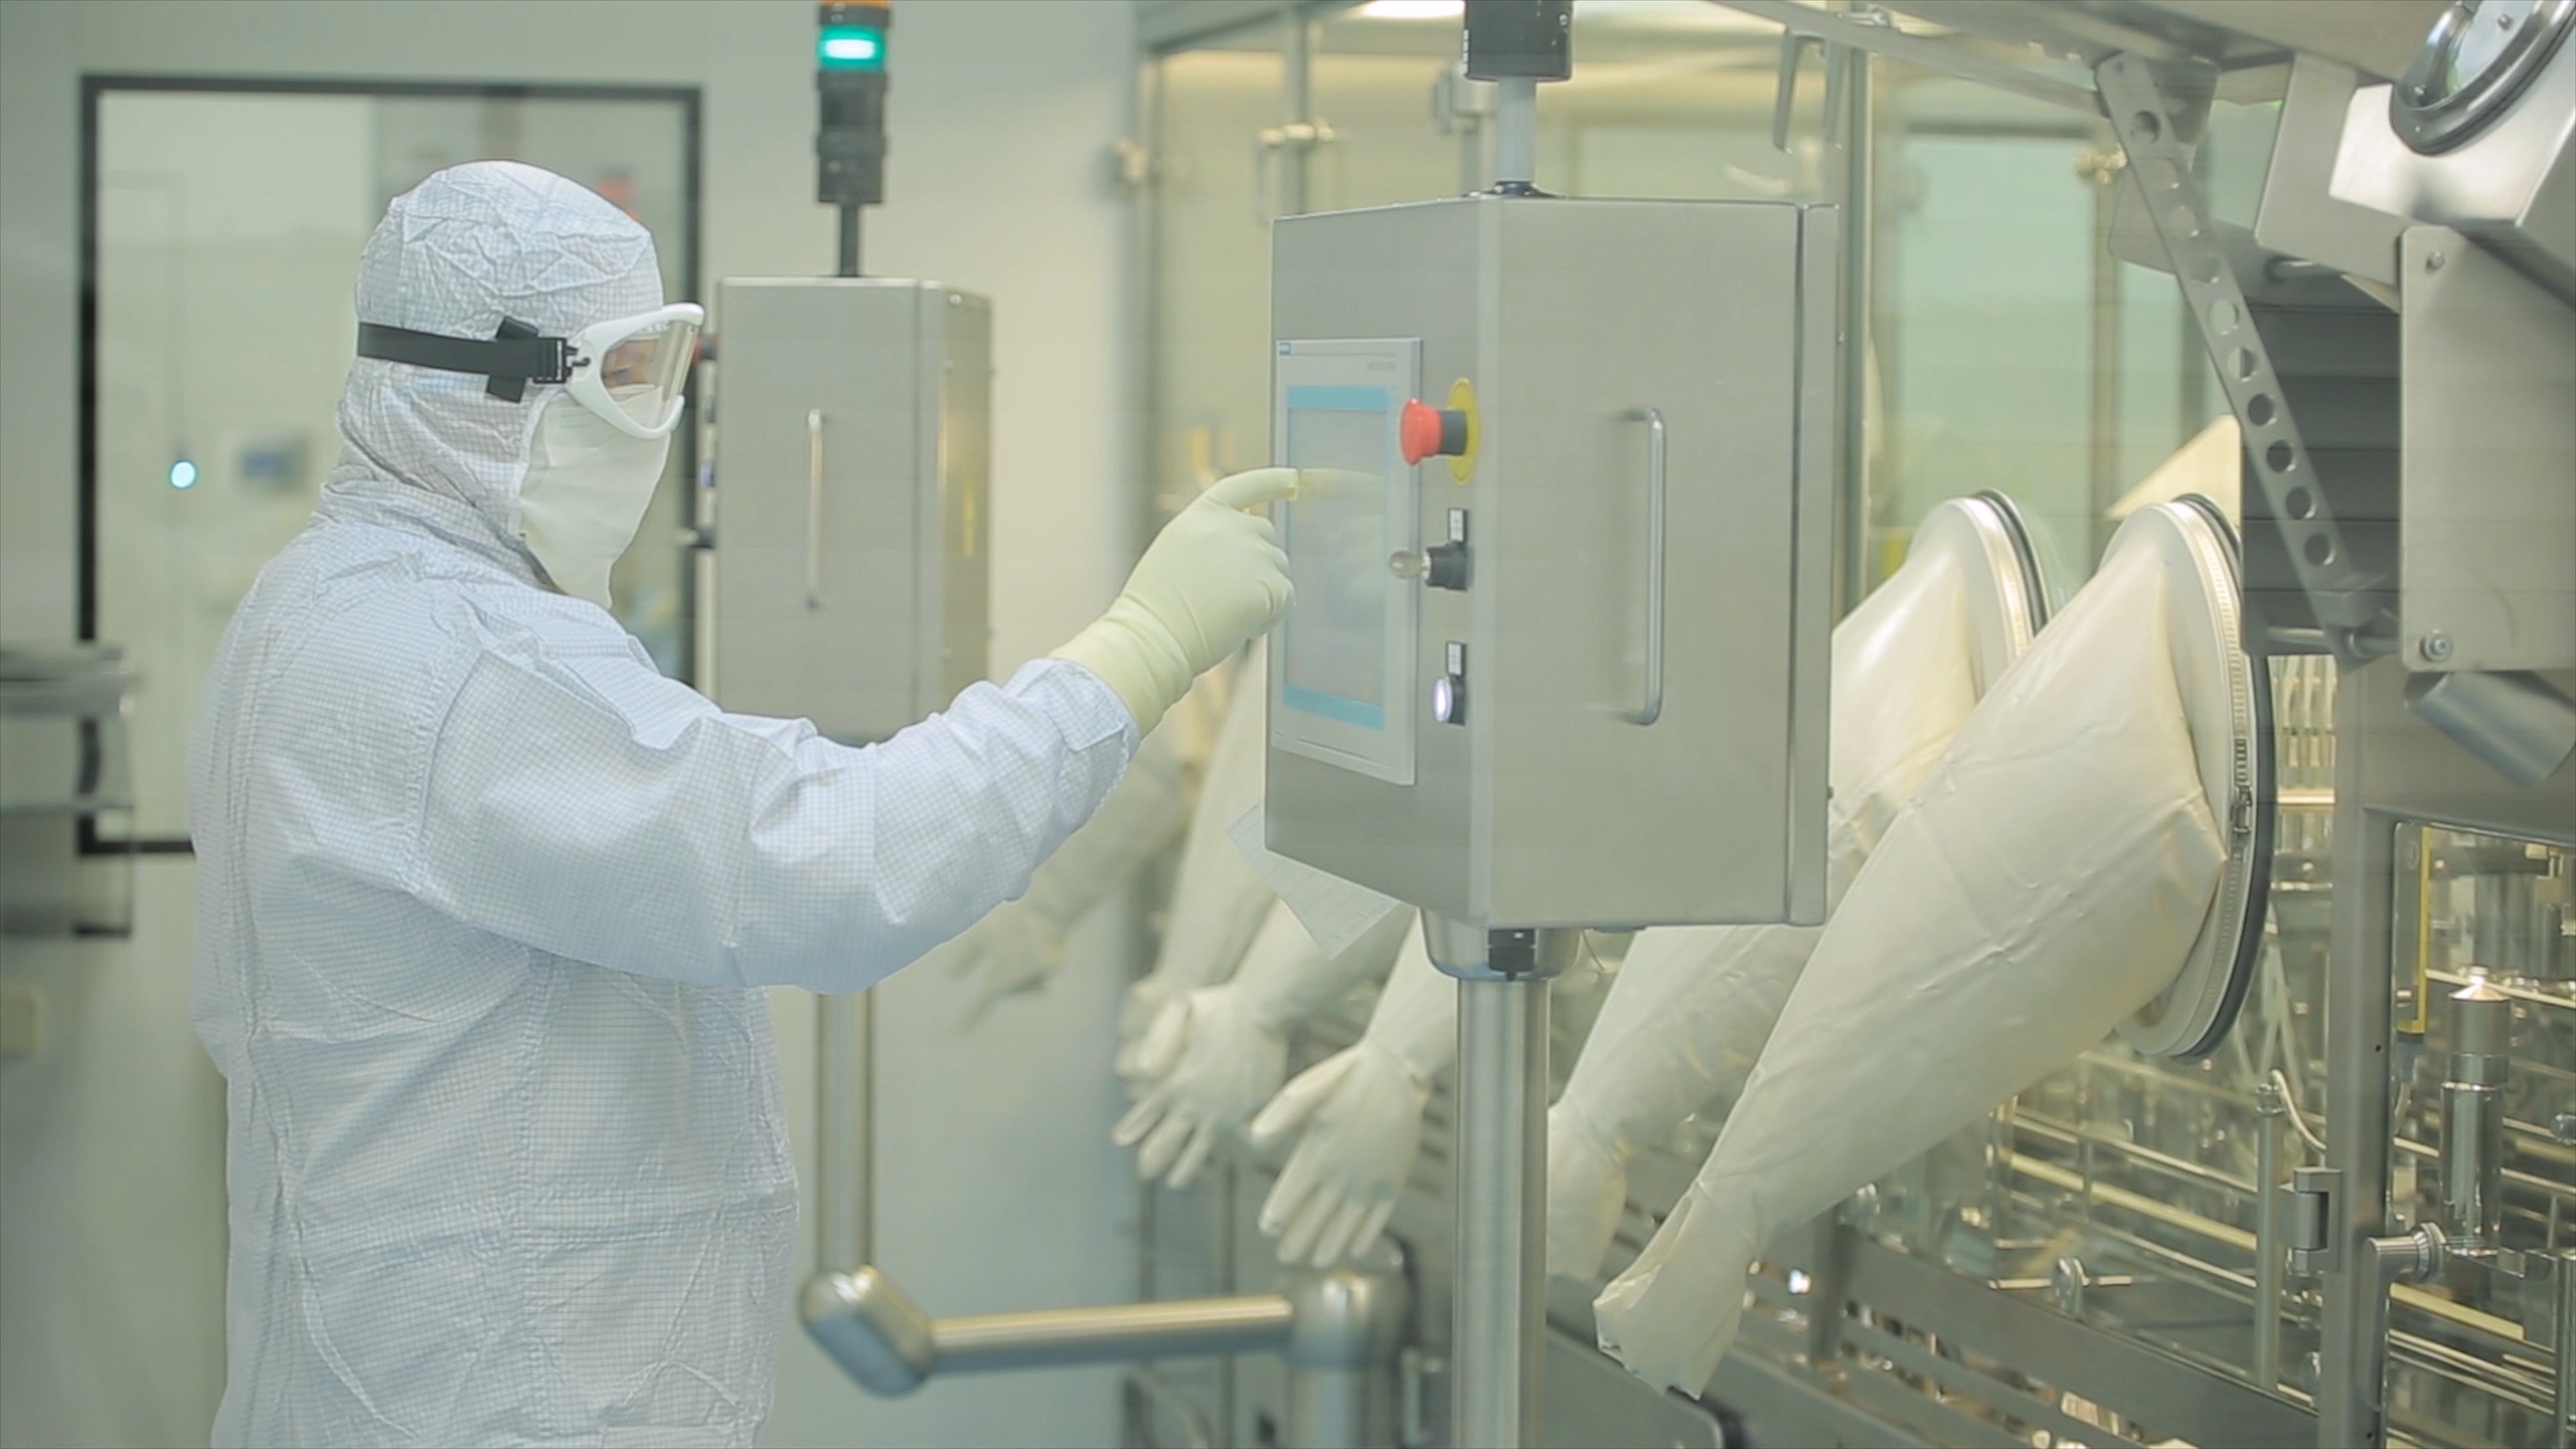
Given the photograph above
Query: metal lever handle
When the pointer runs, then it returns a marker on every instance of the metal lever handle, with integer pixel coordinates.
(814, 508)
(1653, 418)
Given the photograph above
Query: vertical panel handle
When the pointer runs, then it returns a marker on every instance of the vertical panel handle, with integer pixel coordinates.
(814, 508)
(1653, 418)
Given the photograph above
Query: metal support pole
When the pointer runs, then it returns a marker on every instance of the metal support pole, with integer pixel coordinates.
(845, 1081)
(2270, 1107)
(1515, 131)
(1502, 1212)
(2473, 1096)
(1860, 169)
(2566, 1270)
(2103, 170)
(1516, 44)
(848, 253)
(1343, 1390)
(2352, 1347)
(1297, 110)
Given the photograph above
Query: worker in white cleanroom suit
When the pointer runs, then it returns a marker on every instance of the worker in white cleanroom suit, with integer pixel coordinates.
(485, 902)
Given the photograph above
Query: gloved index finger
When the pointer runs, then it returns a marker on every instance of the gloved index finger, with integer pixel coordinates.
(1256, 489)
(1328, 481)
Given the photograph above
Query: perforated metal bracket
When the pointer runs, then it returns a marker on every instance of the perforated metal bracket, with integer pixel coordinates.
(2357, 608)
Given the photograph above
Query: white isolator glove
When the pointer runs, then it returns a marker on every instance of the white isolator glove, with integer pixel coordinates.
(1218, 898)
(1020, 944)
(1690, 1010)
(1211, 581)
(2048, 881)
(1687, 1014)
(1360, 1111)
(1214, 1056)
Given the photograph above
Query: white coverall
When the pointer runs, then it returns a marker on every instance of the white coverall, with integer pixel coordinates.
(485, 907)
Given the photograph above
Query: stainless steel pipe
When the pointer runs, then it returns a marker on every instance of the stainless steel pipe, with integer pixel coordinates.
(1123, 1333)
(2473, 1115)
(1515, 130)
(2566, 1408)
(1502, 1211)
(845, 1082)
(1339, 1331)
(2271, 1104)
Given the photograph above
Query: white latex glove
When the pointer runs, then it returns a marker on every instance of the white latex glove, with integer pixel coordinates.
(1211, 581)
(2048, 881)
(1218, 899)
(1686, 1016)
(1360, 1111)
(1692, 1008)
(1020, 944)
(1214, 1056)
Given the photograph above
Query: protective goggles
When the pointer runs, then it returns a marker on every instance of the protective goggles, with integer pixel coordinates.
(631, 372)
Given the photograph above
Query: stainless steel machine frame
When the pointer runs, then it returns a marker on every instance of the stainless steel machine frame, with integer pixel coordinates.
(2045, 1274)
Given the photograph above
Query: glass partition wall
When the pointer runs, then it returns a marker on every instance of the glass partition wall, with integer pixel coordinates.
(222, 225)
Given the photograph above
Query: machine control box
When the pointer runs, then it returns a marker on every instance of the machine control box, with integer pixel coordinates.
(852, 438)
(1561, 549)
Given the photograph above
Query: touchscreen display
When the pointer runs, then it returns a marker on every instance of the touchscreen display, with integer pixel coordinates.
(1335, 636)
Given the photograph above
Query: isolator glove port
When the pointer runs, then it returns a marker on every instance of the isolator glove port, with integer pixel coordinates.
(2051, 878)
(1692, 1007)
(1213, 579)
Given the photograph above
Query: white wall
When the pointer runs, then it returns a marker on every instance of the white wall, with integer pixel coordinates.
(998, 1187)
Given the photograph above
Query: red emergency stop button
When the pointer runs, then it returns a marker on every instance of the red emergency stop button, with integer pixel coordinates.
(1423, 431)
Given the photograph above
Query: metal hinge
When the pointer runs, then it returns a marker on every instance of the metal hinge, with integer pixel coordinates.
(2309, 1220)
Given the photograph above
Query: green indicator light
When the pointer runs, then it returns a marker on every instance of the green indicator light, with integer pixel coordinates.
(850, 47)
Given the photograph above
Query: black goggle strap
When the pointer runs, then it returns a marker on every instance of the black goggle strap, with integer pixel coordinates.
(513, 358)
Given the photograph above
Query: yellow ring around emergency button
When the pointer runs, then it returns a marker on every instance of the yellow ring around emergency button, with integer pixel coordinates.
(1462, 398)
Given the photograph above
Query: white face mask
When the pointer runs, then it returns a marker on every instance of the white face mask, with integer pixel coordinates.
(588, 486)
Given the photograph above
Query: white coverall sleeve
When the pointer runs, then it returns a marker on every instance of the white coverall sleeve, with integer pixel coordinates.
(1021, 944)
(586, 806)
